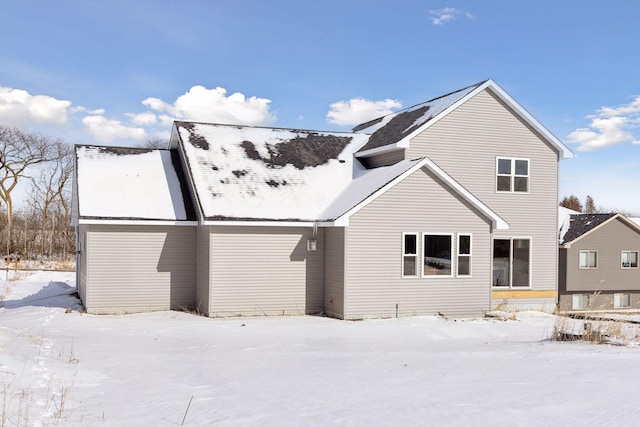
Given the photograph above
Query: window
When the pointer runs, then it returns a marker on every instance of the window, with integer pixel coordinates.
(588, 259)
(409, 255)
(437, 255)
(512, 175)
(629, 259)
(621, 300)
(580, 301)
(512, 262)
(464, 255)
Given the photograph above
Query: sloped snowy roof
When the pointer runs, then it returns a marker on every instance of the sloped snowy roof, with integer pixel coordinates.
(252, 173)
(131, 184)
(392, 128)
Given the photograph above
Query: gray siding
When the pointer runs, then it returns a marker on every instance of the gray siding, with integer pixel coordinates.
(82, 263)
(609, 240)
(139, 268)
(374, 283)
(334, 272)
(264, 271)
(466, 143)
(203, 268)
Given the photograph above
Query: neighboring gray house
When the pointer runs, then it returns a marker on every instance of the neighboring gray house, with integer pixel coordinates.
(427, 210)
(598, 267)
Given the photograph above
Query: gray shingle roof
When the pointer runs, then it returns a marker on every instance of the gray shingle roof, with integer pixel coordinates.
(583, 223)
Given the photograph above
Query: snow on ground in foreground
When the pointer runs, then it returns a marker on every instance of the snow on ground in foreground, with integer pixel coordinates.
(69, 368)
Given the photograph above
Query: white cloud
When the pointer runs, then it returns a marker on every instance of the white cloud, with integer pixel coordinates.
(20, 108)
(214, 106)
(105, 130)
(143, 119)
(609, 126)
(447, 14)
(360, 110)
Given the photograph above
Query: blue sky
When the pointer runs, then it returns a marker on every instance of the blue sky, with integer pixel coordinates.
(118, 72)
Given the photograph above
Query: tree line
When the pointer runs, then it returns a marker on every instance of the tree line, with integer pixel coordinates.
(39, 228)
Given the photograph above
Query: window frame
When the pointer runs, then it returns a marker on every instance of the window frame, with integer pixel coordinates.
(580, 252)
(616, 297)
(512, 175)
(451, 267)
(511, 260)
(416, 255)
(583, 306)
(622, 260)
(469, 255)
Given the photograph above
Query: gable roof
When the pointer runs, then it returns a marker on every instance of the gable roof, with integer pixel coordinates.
(375, 182)
(581, 225)
(245, 173)
(395, 130)
(130, 184)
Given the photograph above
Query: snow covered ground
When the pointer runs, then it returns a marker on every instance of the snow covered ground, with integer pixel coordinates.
(59, 366)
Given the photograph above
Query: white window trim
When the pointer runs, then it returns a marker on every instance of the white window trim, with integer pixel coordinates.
(621, 293)
(470, 255)
(512, 175)
(588, 305)
(511, 287)
(637, 260)
(453, 263)
(580, 267)
(418, 245)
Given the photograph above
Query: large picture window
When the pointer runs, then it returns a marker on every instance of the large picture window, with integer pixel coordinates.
(409, 255)
(629, 259)
(588, 259)
(437, 255)
(512, 263)
(512, 175)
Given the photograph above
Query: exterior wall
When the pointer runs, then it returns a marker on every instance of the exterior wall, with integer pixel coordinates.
(599, 301)
(81, 274)
(139, 268)
(334, 271)
(609, 240)
(466, 144)
(265, 271)
(203, 268)
(374, 285)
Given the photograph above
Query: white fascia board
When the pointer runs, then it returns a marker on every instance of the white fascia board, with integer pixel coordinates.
(379, 150)
(136, 222)
(261, 223)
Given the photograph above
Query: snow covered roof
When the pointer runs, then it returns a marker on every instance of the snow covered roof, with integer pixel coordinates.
(115, 183)
(266, 174)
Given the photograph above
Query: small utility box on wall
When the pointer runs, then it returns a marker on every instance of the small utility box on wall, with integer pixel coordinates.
(312, 245)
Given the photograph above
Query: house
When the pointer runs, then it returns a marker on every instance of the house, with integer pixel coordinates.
(598, 263)
(427, 210)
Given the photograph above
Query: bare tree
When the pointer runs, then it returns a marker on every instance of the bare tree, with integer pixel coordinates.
(49, 196)
(18, 151)
(156, 142)
(589, 205)
(571, 202)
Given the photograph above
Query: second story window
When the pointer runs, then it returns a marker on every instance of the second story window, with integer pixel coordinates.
(512, 175)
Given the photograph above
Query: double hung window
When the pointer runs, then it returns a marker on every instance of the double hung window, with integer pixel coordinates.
(512, 175)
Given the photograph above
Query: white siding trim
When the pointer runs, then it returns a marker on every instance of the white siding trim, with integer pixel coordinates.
(305, 224)
(136, 222)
